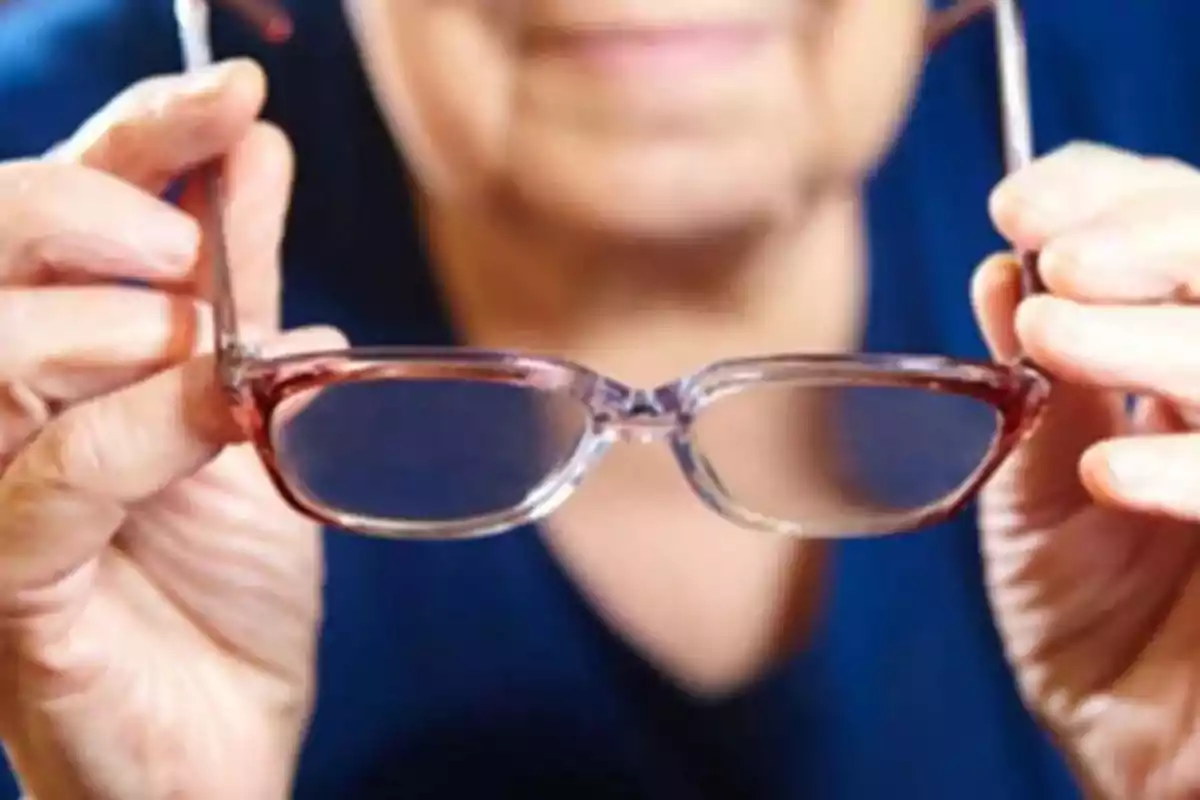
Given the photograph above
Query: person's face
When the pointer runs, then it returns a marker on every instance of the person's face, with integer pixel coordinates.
(642, 119)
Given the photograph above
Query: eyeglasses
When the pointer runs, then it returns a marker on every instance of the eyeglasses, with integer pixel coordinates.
(447, 443)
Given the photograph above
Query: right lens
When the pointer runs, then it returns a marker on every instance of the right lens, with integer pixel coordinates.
(422, 449)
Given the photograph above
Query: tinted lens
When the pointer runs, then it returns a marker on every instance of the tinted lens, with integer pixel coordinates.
(424, 450)
(856, 460)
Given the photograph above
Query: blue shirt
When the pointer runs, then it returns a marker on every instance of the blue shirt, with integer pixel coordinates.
(477, 669)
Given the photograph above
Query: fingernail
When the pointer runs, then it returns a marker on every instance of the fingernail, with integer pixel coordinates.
(1137, 474)
(1024, 213)
(1039, 315)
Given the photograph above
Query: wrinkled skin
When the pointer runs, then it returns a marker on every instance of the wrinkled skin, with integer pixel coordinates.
(160, 603)
(1090, 532)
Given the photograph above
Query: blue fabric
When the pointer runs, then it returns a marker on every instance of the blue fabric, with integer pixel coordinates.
(476, 669)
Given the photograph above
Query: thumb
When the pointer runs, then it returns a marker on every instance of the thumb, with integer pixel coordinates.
(166, 125)
(64, 497)
(1039, 483)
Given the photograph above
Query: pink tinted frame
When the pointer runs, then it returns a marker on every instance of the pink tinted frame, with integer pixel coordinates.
(258, 386)
(619, 412)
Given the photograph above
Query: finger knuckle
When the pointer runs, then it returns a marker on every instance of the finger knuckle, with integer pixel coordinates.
(67, 452)
(21, 188)
(30, 199)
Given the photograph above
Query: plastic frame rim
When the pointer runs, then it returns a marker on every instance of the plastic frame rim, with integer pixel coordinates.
(1016, 392)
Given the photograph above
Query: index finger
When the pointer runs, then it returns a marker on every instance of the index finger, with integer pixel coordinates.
(166, 125)
(66, 494)
(1073, 185)
(58, 220)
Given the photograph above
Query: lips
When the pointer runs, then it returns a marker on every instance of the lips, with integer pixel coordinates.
(649, 15)
(649, 50)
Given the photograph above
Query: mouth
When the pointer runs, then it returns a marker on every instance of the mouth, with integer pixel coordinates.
(652, 51)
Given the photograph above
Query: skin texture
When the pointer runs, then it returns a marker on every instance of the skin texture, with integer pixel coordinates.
(1090, 532)
(143, 657)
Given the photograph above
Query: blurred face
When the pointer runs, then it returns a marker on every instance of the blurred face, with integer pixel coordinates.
(640, 119)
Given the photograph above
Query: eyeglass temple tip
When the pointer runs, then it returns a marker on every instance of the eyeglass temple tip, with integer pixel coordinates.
(269, 17)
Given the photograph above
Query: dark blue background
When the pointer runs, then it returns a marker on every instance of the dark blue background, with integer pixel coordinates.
(476, 669)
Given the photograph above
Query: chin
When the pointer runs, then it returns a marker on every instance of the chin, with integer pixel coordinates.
(674, 190)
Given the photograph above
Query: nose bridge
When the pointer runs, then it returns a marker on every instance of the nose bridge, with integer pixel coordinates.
(648, 416)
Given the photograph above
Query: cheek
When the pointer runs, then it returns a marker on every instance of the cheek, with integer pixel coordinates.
(870, 57)
(445, 87)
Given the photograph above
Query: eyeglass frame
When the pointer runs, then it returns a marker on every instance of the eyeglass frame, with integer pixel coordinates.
(258, 386)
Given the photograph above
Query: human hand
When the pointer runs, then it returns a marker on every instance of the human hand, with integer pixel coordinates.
(1091, 530)
(158, 601)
